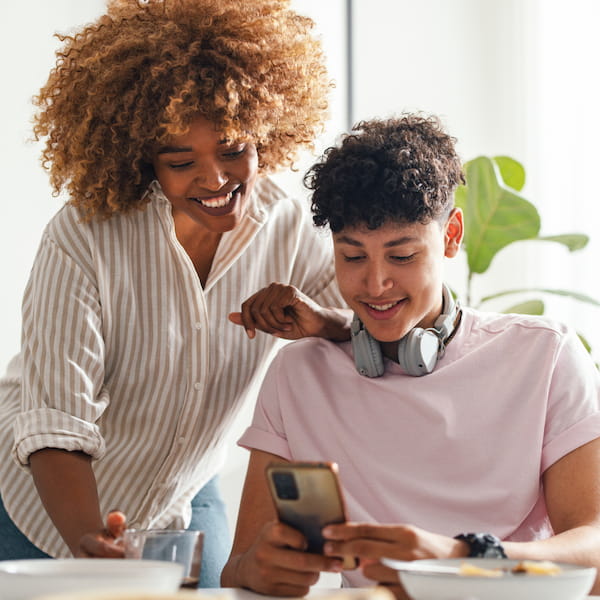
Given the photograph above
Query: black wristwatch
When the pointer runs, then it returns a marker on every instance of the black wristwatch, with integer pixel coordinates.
(482, 545)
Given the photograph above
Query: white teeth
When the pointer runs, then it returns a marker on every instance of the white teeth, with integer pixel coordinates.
(217, 202)
(382, 307)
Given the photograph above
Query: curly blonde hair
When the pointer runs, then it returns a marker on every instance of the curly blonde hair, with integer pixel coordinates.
(141, 73)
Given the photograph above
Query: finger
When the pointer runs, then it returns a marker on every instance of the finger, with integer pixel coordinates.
(97, 546)
(247, 318)
(269, 309)
(363, 548)
(236, 317)
(282, 535)
(349, 531)
(116, 523)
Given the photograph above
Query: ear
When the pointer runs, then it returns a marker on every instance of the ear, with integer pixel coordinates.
(453, 234)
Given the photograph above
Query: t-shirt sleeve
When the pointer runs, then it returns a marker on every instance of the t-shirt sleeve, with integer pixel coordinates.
(573, 415)
(266, 431)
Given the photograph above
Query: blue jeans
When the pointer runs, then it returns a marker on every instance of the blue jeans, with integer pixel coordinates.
(208, 515)
(13, 544)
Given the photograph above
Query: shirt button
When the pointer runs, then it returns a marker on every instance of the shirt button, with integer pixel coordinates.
(181, 440)
(197, 385)
(198, 325)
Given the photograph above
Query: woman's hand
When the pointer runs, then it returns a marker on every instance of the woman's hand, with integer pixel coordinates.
(370, 543)
(285, 312)
(104, 543)
(275, 563)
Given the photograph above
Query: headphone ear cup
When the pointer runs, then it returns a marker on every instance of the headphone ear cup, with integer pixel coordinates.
(418, 352)
(367, 354)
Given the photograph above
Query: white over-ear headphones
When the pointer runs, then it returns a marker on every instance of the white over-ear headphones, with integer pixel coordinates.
(418, 351)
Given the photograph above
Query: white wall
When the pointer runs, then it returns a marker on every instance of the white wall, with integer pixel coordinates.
(26, 56)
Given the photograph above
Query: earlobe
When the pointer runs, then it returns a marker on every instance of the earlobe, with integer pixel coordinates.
(454, 233)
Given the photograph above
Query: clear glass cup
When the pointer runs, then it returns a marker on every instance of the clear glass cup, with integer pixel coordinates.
(172, 545)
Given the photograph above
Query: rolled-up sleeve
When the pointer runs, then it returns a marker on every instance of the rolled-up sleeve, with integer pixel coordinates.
(63, 355)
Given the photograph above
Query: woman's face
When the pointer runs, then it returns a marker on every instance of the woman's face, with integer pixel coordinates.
(206, 178)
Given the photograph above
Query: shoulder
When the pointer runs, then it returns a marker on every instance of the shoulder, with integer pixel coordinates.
(513, 324)
(314, 353)
(270, 199)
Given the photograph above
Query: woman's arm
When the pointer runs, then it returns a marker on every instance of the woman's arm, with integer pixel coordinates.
(66, 484)
(284, 311)
(267, 556)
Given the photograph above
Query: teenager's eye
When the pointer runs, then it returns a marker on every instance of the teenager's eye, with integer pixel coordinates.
(404, 259)
(353, 258)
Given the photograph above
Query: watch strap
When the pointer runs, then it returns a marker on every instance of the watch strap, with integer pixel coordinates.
(482, 545)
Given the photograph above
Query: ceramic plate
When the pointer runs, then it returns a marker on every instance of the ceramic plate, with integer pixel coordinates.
(26, 579)
(571, 583)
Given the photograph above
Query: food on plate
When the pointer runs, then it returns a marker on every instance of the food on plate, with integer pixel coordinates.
(541, 567)
(471, 570)
(530, 567)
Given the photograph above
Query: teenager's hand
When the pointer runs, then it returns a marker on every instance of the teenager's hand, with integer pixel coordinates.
(104, 543)
(284, 311)
(370, 543)
(277, 566)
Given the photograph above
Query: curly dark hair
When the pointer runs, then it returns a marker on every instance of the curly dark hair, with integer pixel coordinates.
(401, 170)
(145, 69)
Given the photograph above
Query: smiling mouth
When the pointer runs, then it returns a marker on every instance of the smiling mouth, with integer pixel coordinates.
(383, 307)
(216, 201)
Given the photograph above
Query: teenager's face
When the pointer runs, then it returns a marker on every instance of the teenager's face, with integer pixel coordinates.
(207, 178)
(392, 276)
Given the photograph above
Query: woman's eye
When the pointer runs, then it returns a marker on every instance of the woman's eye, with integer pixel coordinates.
(183, 165)
(234, 152)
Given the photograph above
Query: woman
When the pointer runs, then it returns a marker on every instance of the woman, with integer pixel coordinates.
(161, 120)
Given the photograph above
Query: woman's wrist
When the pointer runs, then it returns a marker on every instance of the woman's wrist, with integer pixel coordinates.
(336, 324)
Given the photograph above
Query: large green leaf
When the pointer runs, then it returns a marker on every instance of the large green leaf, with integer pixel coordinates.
(573, 241)
(529, 307)
(495, 215)
(512, 172)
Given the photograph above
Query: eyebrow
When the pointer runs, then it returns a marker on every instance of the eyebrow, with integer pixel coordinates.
(345, 239)
(181, 149)
(173, 149)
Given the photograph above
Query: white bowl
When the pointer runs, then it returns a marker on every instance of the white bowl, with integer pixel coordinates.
(25, 579)
(131, 595)
(572, 583)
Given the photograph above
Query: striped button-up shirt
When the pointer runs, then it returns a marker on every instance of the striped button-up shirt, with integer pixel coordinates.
(126, 357)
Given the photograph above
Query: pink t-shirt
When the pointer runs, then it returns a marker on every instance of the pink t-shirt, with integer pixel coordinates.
(461, 449)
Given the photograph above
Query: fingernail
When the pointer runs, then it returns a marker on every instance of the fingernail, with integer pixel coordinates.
(337, 567)
(250, 333)
(328, 548)
(326, 531)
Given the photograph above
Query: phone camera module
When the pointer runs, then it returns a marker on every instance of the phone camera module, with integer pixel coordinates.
(285, 485)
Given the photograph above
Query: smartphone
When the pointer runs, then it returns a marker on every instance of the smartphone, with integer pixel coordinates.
(308, 496)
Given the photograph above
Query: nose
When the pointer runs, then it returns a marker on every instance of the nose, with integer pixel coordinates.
(211, 176)
(377, 280)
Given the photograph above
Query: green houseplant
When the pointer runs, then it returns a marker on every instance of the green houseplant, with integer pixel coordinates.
(497, 215)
